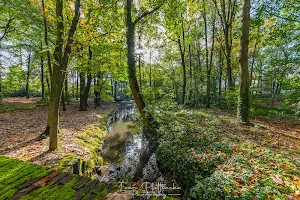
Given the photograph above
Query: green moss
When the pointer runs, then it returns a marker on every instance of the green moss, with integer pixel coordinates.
(66, 191)
(14, 173)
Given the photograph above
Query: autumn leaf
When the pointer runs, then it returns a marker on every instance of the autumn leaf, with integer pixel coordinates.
(277, 179)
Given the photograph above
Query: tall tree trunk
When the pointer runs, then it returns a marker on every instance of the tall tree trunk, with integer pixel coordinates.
(28, 75)
(63, 100)
(244, 96)
(61, 56)
(112, 87)
(184, 71)
(208, 89)
(42, 75)
(228, 57)
(46, 38)
(83, 101)
(66, 84)
(98, 90)
(140, 64)
(77, 85)
(190, 75)
(220, 71)
(48, 84)
(227, 14)
(150, 72)
(85, 89)
(115, 88)
(46, 132)
(0, 82)
(139, 100)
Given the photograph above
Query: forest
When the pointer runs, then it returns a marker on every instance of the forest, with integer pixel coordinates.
(150, 99)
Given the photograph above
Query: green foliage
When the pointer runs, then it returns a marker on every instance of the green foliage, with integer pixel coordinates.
(231, 97)
(68, 97)
(214, 159)
(257, 110)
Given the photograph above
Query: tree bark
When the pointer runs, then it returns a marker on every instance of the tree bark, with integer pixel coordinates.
(63, 100)
(85, 89)
(227, 16)
(83, 99)
(220, 72)
(98, 90)
(42, 75)
(28, 75)
(190, 75)
(115, 88)
(184, 71)
(46, 39)
(244, 96)
(139, 100)
(61, 56)
(77, 85)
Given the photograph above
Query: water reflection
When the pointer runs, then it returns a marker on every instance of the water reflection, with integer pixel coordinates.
(122, 148)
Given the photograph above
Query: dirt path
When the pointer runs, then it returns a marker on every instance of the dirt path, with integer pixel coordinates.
(19, 130)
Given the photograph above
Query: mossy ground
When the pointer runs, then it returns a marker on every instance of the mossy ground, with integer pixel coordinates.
(14, 173)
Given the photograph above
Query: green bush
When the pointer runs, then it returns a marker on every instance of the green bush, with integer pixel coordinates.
(231, 97)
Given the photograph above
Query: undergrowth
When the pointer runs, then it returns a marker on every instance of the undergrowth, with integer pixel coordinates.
(212, 157)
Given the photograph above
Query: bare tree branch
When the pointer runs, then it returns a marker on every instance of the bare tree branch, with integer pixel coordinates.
(145, 14)
(6, 31)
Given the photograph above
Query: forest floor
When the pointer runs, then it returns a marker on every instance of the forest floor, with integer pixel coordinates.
(205, 150)
(23, 120)
(212, 156)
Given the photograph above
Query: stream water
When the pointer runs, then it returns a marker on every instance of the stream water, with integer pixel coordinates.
(123, 146)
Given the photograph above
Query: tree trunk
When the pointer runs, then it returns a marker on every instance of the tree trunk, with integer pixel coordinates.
(85, 89)
(46, 39)
(115, 88)
(190, 75)
(139, 100)
(77, 85)
(61, 56)
(184, 72)
(28, 75)
(48, 84)
(220, 72)
(42, 75)
(63, 100)
(140, 64)
(112, 87)
(244, 96)
(228, 58)
(83, 101)
(55, 96)
(97, 91)
(66, 84)
(0, 82)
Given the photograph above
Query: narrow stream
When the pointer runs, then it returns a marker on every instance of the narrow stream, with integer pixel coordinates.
(123, 146)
